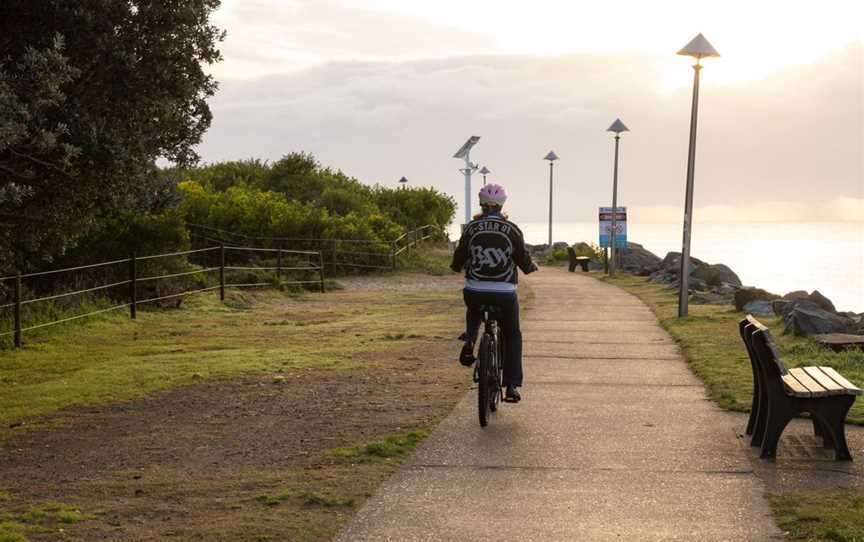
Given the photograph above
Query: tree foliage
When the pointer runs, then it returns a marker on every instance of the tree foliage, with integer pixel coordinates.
(92, 93)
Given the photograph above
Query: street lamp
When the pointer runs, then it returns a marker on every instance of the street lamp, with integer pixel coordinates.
(617, 127)
(404, 182)
(485, 171)
(551, 157)
(464, 153)
(698, 48)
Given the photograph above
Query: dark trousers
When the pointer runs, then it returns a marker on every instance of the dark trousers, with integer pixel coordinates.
(508, 304)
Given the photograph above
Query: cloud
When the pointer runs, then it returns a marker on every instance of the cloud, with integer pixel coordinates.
(266, 36)
(794, 137)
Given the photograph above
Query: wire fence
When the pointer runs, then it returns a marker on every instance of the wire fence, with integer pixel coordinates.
(339, 255)
(219, 259)
(157, 278)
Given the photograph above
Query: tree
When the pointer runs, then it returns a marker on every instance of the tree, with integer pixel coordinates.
(92, 94)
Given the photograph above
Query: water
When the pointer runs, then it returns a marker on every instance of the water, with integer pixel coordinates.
(777, 256)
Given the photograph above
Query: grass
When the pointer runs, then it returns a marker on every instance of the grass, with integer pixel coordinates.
(710, 341)
(113, 358)
(431, 260)
(712, 346)
(821, 515)
(311, 498)
(47, 518)
(393, 448)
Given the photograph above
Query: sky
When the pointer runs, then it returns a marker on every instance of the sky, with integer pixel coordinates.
(388, 88)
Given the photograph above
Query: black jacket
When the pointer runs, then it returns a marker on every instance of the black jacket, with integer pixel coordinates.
(492, 247)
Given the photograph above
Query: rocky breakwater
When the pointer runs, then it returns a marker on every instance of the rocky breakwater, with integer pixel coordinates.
(714, 284)
(802, 313)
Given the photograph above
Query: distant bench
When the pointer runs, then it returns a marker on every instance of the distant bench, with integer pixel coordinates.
(780, 394)
(577, 260)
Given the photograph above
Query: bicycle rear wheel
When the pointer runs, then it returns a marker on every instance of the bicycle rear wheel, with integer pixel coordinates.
(484, 386)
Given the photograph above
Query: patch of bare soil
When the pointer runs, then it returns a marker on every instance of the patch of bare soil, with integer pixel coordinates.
(196, 463)
(404, 282)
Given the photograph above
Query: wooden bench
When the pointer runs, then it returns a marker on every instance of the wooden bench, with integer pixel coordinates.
(780, 394)
(577, 260)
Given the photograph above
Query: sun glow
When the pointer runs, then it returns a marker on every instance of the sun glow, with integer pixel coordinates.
(755, 38)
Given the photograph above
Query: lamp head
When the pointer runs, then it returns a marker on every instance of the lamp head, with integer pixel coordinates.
(551, 156)
(485, 171)
(618, 127)
(699, 48)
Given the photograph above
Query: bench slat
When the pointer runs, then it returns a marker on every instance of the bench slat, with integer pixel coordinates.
(816, 389)
(826, 381)
(794, 387)
(851, 388)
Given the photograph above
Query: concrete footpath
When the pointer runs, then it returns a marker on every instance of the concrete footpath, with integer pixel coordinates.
(615, 439)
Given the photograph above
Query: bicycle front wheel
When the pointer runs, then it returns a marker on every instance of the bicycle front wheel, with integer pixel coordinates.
(484, 387)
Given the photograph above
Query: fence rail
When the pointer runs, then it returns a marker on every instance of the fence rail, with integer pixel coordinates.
(357, 253)
(365, 254)
(313, 264)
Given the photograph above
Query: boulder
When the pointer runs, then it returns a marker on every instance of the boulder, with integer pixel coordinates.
(797, 295)
(638, 261)
(559, 245)
(747, 294)
(672, 263)
(782, 307)
(716, 274)
(822, 301)
(811, 321)
(759, 307)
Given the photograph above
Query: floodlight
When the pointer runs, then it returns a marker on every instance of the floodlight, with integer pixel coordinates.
(463, 151)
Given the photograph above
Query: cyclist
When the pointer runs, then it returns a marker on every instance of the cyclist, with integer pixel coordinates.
(490, 249)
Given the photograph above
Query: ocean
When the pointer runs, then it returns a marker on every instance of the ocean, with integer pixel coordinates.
(777, 256)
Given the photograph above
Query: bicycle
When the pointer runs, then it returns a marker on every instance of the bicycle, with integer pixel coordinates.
(490, 365)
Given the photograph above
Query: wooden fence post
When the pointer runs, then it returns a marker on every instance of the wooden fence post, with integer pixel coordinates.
(393, 253)
(133, 287)
(222, 271)
(18, 339)
(321, 270)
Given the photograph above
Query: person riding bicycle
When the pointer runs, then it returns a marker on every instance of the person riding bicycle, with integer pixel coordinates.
(490, 250)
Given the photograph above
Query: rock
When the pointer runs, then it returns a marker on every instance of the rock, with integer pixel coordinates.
(811, 321)
(822, 301)
(782, 307)
(716, 274)
(559, 245)
(725, 289)
(747, 294)
(710, 298)
(697, 285)
(638, 261)
(759, 307)
(797, 295)
(672, 263)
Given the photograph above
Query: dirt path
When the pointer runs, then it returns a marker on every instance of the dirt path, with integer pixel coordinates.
(195, 463)
(615, 439)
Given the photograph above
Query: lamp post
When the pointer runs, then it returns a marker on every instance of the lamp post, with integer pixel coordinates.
(617, 127)
(403, 182)
(485, 171)
(551, 157)
(464, 153)
(698, 48)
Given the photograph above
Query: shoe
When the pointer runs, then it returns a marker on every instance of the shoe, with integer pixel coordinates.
(511, 395)
(466, 357)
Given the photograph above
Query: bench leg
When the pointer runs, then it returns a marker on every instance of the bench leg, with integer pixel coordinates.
(778, 419)
(833, 421)
(754, 410)
(762, 414)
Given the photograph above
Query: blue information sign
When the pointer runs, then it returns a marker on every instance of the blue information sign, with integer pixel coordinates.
(620, 227)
